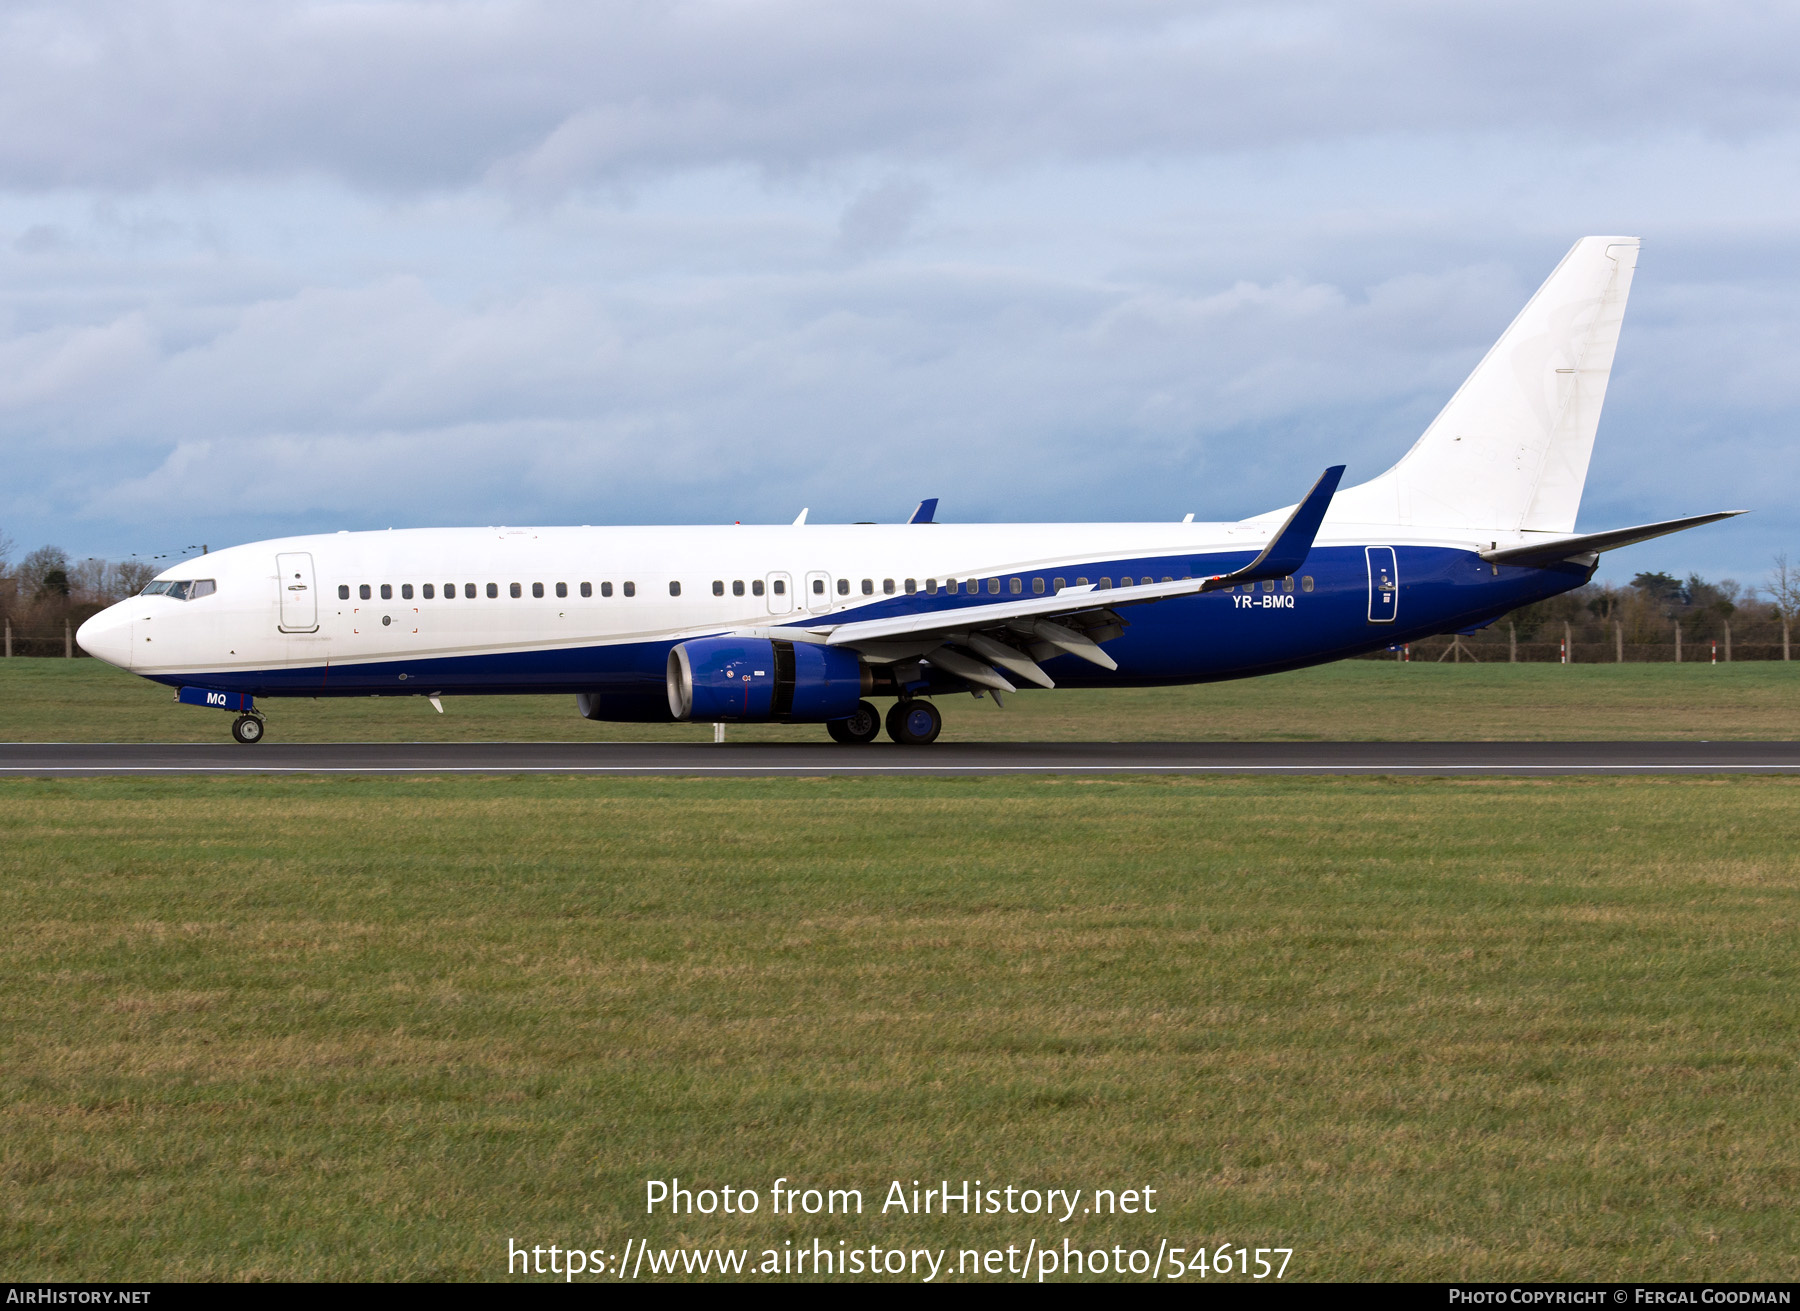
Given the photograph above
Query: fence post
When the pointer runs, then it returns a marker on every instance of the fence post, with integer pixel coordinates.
(68, 641)
(9, 638)
(1678, 641)
(1727, 624)
(1568, 644)
(1619, 641)
(1784, 637)
(1512, 643)
(1715, 650)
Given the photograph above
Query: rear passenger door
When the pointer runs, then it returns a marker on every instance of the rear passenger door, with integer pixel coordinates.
(1384, 584)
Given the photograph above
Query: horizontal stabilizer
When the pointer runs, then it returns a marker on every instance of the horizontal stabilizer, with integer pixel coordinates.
(1564, 548)
(1287, 549)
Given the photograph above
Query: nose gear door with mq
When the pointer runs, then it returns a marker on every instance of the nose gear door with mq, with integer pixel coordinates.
(299, 599)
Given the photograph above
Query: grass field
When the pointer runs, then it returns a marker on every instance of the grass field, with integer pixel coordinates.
(1413, 1029)
(87, 701)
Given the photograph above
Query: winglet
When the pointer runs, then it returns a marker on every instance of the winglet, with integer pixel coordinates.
(1287, 549)
(800, 518)
(927, 511)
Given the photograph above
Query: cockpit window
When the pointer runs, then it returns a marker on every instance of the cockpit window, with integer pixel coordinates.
(182, 589)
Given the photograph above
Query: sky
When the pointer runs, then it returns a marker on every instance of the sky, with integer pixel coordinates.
(269, 268)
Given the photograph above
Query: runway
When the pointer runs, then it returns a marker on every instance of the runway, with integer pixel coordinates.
(944, 759)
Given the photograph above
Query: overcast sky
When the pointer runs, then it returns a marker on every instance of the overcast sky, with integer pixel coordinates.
(274, 268)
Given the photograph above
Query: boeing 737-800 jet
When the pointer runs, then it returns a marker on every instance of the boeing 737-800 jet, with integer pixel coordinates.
(803, 623)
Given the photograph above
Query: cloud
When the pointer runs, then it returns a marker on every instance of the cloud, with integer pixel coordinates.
(269, 267)
(541, 96)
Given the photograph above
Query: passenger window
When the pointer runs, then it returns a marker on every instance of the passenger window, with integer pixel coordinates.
(718, 587)
(587, 589)
(1167, 579)
(515, 591)
(428, 591)
(843, 587)
(363, 591)
(406, 591)
(469, 591)
(868, 587)
(1014, 586)
(950, 584)
(756, 586)
(887, 587)
(1268, 584)
(1306, 583)
(1057, 584)
(1105, 583)
(449, 591)
(993, 587)
(1037, 586)
(1081, 582)
(629, 589)
(537, 591)
(674, 588)
(1287, 584)
(912, 585)
(818, 587)
(780, 587)
(562, 589)
(343, 591)
(737, 586)
(493, 590)
(605, 589)
(387, 591)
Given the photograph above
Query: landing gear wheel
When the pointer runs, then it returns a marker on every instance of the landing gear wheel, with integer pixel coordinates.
(247, 729)
(914, 723)
(863, 725)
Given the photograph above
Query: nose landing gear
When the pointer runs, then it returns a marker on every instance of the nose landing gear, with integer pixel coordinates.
(247, 729)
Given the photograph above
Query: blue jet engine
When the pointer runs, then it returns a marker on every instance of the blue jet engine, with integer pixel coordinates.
(747, 679)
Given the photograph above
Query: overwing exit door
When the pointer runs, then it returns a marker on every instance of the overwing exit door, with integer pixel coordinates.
(299, 599)
(1384, 585)
(818, 592)
(780, 593)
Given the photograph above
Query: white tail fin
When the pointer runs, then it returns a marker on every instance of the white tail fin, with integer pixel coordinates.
(1510, 451)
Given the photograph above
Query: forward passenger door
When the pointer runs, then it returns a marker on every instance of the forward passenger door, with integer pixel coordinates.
(299, 598)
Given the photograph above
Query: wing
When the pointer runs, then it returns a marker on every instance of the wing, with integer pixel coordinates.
(975, 643)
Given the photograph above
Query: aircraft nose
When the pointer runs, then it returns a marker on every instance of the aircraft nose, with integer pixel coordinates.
(107, 636)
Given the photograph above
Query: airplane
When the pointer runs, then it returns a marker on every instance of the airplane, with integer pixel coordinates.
(804, 623)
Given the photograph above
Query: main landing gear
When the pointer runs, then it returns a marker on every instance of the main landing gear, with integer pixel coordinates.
(910, 723)
(914, 723)
(247, 729)
(864, 725)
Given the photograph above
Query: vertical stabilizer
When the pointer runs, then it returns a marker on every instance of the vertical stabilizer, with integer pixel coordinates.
(1510, 451)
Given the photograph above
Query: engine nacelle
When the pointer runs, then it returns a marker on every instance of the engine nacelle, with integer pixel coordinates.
(739, 679)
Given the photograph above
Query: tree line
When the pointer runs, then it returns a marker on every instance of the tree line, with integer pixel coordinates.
(45, 595)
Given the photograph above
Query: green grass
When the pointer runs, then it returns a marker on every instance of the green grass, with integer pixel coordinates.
(86, 701)
(308, 1028)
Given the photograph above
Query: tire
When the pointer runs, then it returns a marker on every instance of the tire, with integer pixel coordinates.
(247, 729)
(862, 726)
(914, 723)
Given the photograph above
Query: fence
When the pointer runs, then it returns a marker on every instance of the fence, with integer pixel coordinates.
(1487, 648)
(40, 638)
